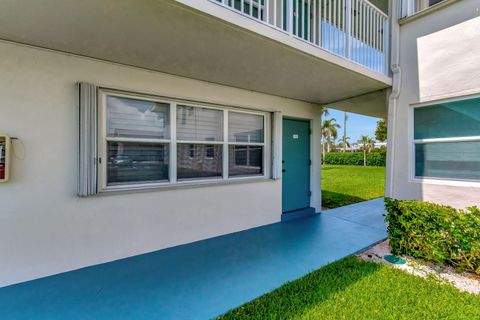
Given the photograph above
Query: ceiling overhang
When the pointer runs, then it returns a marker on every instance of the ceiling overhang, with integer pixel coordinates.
(169, 36)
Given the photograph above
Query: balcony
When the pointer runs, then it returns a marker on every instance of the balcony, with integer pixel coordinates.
(338, 53)
(354, 29)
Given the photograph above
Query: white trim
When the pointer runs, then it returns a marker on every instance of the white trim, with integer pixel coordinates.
(247, 143)
(184, 184)
(455, 139)
(276, 143)
(432, 102)
(225, 145)
(173, 142)
(412, 142)
(411, 15)
(139, 140)
(172, 155)
(447, 182)
(198, 142)
(102, 141)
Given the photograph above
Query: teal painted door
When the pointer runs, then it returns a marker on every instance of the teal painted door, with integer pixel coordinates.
(296, 165)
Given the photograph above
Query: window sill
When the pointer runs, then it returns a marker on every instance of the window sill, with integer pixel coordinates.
(447, 182)
(182, 185)
(426, 11)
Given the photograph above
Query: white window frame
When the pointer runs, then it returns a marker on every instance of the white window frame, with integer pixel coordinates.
(266, 134)
(413, 142)
(172, 142)
(409, 8)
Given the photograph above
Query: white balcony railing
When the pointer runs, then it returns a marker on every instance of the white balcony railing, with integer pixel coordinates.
(353, 29)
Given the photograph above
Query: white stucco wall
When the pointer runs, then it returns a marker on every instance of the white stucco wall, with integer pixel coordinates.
(46, 229)
(439, 58)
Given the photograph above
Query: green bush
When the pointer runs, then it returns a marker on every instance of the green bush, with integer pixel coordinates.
(377, 159)
(436, 233)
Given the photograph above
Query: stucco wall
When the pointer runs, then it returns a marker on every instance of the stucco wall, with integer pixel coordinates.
(439, 58)
(46, 229)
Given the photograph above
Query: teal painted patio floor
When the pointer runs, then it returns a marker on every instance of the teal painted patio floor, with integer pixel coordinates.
(203, 279)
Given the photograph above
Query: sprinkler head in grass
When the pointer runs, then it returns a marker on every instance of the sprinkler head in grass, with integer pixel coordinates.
(394, 259)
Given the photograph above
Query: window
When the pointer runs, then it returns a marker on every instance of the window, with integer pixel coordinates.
(195, 127)
(447, 140)
(137, 139)
(246, 144)
(148, 142)
(410, 7)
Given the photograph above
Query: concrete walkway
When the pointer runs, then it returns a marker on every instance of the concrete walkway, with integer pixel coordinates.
(203, 279)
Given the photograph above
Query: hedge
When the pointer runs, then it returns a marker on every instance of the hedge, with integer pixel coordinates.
(378, 159)
(436, 233)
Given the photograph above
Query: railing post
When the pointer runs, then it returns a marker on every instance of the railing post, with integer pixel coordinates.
(290, 16)
(386, 45)
(266, 10)
(348, 29)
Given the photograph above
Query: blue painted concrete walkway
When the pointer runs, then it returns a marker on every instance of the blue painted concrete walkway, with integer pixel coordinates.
(199, 280)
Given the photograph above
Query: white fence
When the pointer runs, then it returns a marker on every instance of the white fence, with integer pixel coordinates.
(354, 29)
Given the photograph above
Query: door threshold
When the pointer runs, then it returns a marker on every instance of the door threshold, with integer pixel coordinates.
(298, 214)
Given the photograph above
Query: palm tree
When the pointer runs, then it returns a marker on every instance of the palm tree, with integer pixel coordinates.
(367, 145)
(325, 112)
(345, 118)
(344, 143)
(329, 134)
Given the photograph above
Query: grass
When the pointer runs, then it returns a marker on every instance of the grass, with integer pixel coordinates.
(344, 185)
(355, 289)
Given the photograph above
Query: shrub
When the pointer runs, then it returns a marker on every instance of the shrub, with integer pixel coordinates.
(436, 233)
(356, 158)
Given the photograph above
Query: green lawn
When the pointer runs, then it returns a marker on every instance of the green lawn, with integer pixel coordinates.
(354, 289)
(344, 185)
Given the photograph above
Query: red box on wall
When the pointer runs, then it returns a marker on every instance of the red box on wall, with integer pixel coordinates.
(4, 158)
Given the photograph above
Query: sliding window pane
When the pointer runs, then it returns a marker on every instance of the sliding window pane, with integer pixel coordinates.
(245, 127)
(135, 118)
(199, 124)
(245, 160)
(450, 160)
(129, 163)
(448, 120)
(199, 161)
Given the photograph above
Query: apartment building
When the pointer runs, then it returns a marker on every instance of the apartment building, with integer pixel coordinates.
(141, 125)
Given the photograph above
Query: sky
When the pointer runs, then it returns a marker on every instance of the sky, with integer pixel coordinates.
(357, 125)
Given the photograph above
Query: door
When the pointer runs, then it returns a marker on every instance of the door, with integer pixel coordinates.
(296, 165)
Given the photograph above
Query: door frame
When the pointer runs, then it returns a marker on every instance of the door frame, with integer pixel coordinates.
(310, 169)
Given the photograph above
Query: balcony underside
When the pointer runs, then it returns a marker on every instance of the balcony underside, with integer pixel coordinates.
(167, 36)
